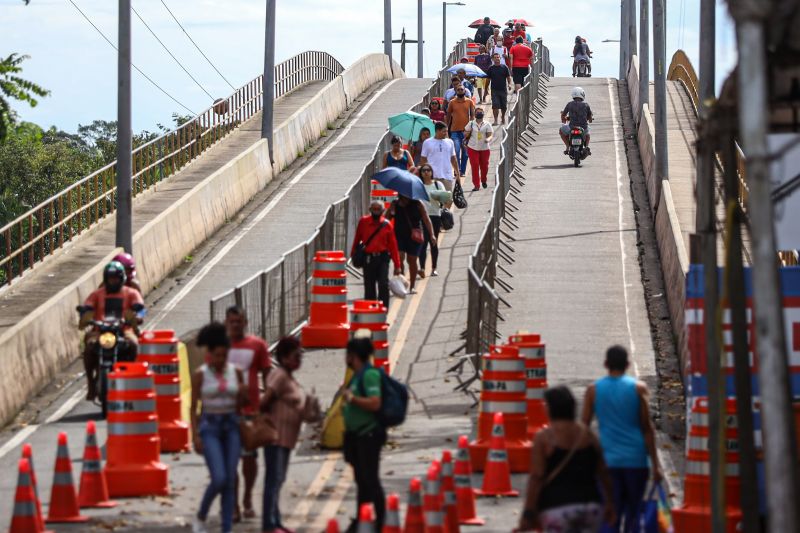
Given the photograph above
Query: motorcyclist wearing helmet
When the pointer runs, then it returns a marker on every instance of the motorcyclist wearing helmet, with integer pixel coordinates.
(581, 52)
(112, 300)
(577, 114)
(129, 263)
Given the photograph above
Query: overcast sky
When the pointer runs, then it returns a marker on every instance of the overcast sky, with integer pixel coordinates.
(72, 60)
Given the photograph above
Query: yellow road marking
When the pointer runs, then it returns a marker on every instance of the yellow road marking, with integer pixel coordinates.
(302, 509)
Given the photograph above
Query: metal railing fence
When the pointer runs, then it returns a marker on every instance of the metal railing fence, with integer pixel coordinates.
(42, 230)
(483, 311)
(276, 300)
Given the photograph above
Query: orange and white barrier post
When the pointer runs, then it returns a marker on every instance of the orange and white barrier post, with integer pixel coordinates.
(371, 315)
(503, 388)
(327, 318)
(27, 453)
(159, 349)
(93, 490)
(25, 518)
(63, 498)
(465, 493)
(415, 518)
(392, 522)
(449, 494)
(497, 477)
(532, 349)
(432, 502)
(133, 465)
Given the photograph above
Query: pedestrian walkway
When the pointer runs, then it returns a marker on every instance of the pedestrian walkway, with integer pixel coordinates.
(88, 249)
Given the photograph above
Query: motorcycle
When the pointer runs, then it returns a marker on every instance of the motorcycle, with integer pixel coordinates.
(110, 347)
(577, 146)
(582, 68)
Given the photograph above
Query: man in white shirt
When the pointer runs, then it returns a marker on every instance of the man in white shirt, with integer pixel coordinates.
(440, 153)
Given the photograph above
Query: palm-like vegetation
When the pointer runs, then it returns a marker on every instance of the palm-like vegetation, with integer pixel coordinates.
(12, 86)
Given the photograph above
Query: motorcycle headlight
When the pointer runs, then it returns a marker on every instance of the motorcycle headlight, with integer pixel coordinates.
(108, 340)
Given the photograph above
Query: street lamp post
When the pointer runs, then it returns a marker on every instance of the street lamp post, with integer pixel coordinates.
(420, 59)
(269, 77)
(124, 238)
(387, 28)
(444, 27)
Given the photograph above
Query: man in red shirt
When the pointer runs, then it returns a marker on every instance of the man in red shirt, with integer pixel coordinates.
(249, 353)
(521, 57)
(113, 300)
(380, 245)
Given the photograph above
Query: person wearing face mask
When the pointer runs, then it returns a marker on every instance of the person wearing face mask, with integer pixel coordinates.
(478, 137)
(380, 246)
(460, 111)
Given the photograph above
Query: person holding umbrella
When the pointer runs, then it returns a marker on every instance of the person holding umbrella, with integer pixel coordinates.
(485, 31)
(375, 234)
(409, 216)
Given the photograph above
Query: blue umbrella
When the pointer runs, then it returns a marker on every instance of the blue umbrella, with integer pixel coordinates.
(402, 181)
(469, 68)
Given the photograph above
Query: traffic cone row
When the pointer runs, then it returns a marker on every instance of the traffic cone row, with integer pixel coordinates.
(65, 502)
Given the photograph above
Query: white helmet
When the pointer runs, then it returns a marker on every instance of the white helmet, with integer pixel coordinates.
(578, 92)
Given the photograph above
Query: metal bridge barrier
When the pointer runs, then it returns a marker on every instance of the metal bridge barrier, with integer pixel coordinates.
(38, 233)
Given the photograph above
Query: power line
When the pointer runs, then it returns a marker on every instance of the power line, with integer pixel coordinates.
(196, 45)
(148, 78)
(164, 46)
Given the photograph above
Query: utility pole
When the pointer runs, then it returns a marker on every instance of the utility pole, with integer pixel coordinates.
(444, 28)
(780, 452)
(660, 64)
(644, 52)
(624, 39)
(387, 28)
(402, 40)
(707, 231)
(420, 58)
(124, 229)
(631, 30)
(269, 78)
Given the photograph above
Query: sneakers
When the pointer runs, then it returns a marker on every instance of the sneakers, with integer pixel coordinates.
(484, 184)
(199, 526)
(566, 152)
(476, 189)
(588, 151)
(434, 273)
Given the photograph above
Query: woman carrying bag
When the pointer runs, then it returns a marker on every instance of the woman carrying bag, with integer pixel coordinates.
(436, 213)
(569, 480)
(288, 407)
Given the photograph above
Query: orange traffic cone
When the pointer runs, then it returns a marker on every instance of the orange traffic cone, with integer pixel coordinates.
(497, 475)
(27, 453)
(465, 494)
(366, 519)
(93, 489)
(333, 526)
(434, 517)
(63, 499)
(415, 520)
(392, 522)
(448, 493)
(25, 519)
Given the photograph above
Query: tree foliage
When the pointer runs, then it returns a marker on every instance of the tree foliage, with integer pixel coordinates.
(12, 86)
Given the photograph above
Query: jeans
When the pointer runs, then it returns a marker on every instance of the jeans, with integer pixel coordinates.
(363, 452)
(461, 150)
(436, 222)
(277, 460)
(628, 486)
(376, 272)
(479, 162)
(221, 449)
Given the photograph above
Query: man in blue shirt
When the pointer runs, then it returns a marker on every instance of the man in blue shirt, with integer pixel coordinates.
(626, 434)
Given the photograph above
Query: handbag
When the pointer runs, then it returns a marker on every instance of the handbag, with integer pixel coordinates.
(458, 195)
(448, 221)
(656, 516)
(257, 432)
(312, 411)
(416, 233)
(359, 258)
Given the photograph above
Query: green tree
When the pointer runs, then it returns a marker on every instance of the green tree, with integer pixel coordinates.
(14, 87)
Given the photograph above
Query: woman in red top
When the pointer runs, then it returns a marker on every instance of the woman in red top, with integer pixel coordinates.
(437, 115)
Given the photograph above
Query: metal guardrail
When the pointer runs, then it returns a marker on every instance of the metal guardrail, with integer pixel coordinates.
(483, 309)
(38, 233)
(682, 70)
(276, 300)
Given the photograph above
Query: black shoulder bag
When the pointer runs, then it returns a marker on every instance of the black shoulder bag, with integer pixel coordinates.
(359, 258)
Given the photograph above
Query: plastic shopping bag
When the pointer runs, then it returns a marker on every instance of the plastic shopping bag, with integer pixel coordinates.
(656, 515)
(399, 286)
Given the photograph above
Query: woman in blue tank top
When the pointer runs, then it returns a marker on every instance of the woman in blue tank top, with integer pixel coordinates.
(398, 157)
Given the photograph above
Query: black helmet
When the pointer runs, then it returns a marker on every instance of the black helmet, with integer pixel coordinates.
(578, 39)
(114, 268)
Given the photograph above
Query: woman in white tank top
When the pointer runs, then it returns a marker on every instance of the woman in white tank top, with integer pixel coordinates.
(218, 387)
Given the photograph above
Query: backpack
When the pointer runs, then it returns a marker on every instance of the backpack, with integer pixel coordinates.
(394, 400)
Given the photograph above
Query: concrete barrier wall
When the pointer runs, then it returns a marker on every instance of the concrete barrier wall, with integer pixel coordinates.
(45, 341)
(672, 252)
